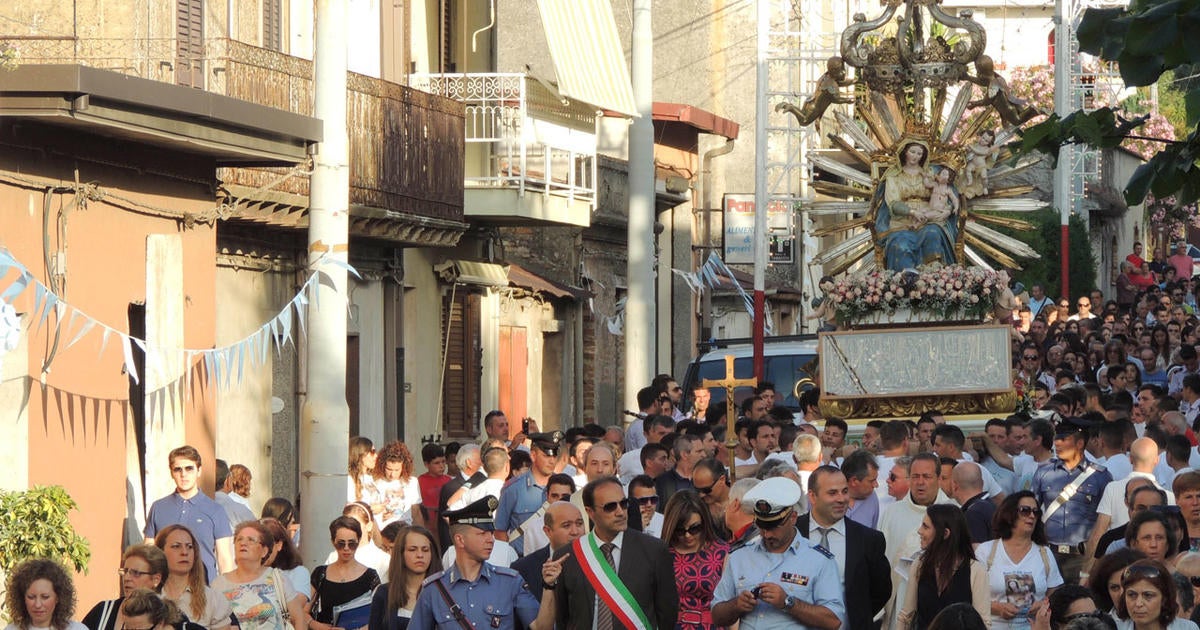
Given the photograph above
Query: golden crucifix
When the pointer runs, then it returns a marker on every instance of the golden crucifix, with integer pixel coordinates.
(729, 383)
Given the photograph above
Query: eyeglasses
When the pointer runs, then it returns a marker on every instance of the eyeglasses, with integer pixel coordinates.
(650, 500)
(247, 539)
(1030, 357)
(346, 544)
(179, 470)
(694, 530)
(709, 489)
(134, 573)
(1026, 510)
(1140, 571)
(612, 506)
(677, 389)
(1082, 304)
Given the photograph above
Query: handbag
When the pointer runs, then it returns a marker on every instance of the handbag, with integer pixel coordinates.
(355, 613)
(277, 580)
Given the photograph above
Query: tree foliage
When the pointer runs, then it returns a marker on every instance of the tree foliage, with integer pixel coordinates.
(35, 524)
(1147, 39)
(1045, 237)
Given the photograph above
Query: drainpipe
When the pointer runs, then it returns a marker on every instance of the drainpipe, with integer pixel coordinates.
(474, 47)
(706, 189)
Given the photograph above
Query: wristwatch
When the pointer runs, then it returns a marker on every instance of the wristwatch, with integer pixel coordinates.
(789, 602)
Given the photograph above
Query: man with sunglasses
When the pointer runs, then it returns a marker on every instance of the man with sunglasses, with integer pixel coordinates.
(189, 506)
(614, 574)
(644, 498)
(711, 480)
(523, 499)
(1068, 488)
(781, 579)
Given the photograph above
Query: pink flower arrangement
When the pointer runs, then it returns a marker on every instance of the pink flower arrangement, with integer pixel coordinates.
(949, 292)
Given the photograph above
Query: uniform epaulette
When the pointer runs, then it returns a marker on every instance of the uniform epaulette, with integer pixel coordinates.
(505, 571)
(825, 552)
(433, 578)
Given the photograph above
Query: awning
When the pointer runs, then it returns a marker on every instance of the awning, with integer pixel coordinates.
(587, 53)
(519, 276)
(473, 272)
(701, 120)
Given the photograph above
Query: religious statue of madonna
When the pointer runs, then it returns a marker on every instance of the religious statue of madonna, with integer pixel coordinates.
(910, 230)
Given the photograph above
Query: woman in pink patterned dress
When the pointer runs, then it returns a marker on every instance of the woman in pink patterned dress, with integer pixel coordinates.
(699, 556)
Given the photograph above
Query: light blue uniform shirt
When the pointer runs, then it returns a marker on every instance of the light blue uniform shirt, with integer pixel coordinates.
(804, 572)
(518, 501)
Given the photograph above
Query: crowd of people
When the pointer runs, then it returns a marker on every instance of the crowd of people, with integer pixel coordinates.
(1082, 513)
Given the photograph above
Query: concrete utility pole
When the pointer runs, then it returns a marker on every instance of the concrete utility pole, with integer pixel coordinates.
(325, 416)
(1063, 105)
(639, 305)
(761, 198)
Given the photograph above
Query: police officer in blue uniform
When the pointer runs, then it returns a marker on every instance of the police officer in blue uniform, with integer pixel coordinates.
(474, 594)
(1068, 488)
(525, 496)
(780, 580)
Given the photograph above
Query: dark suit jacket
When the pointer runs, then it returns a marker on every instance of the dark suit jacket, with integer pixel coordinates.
(530, 568)
(868, 575)
(646, 569)
(447, 491)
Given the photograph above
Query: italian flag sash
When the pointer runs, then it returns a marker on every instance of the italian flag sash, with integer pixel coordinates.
(607, 585)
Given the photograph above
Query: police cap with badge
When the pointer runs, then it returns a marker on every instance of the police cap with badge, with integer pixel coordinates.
(1072, 426)
(548, 443)
(773, 501)
(477, 514)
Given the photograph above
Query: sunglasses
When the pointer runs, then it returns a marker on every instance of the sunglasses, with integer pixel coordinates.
(650, 500)
(1138, 572)
(612, 506)
(1095, 614)
(1030, 357)
(1025, 510)
(346, 544)
(709, 489)
(694, 530)
(1195, 580)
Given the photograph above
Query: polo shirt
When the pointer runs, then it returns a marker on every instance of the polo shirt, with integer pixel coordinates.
(206, 519)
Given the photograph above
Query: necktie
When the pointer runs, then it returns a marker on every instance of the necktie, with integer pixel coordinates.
(604, 616)
(824, 531)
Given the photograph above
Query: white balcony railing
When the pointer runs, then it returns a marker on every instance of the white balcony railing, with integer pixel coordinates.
(519, 136)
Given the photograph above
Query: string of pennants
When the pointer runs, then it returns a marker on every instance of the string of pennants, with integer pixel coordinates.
(713, 274)
(221, 363)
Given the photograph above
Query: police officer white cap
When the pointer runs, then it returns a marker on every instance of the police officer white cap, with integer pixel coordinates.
(773, 500)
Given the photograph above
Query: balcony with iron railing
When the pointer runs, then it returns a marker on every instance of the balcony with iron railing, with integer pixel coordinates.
(406, 146)
(530, 154)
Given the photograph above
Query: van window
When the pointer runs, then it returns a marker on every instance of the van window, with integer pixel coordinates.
(783, 370)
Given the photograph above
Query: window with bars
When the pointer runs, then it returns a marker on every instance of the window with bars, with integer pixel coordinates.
(272, 23)
(189, 43)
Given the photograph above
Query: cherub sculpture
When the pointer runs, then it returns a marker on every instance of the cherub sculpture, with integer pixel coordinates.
(1012, 110)
(943, 199)
(826, 94)
(980, 156)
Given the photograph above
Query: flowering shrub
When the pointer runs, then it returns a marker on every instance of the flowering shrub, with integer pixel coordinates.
(1174, 218)
(947, 292)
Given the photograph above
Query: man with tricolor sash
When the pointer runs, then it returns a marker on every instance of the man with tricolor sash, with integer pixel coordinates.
(781, 580)
(614, 577)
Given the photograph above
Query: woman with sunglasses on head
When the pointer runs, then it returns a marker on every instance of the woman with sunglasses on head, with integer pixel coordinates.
(285, 557)
(1148, 599)
(1105, 578)
(282, 510)
(946, 572)
(342, 581)
(185, 584)
(262, 598)
(699, 555)
(415, 556)
(142, 566)
(1021, 568)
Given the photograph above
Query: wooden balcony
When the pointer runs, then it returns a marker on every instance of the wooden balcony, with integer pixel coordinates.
(406, 146)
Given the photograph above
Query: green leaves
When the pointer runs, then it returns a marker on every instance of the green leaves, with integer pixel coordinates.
(1146, 40)
(36, 524)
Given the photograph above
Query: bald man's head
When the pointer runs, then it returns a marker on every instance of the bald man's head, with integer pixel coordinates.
(1188, 563)
(563, 524)
(1143, 455)
(967, 481)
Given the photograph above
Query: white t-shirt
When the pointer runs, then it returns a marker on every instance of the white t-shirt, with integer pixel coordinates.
(398, 497)
(475, 493)
(886, 464)
(1112, 501)
(630, 466)
(1018, 583)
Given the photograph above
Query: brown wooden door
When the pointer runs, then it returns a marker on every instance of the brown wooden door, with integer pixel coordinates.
(460, 384)
(189, 43)
(514, 368)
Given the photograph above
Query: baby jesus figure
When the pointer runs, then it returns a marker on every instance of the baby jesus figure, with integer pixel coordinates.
(943, 199)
